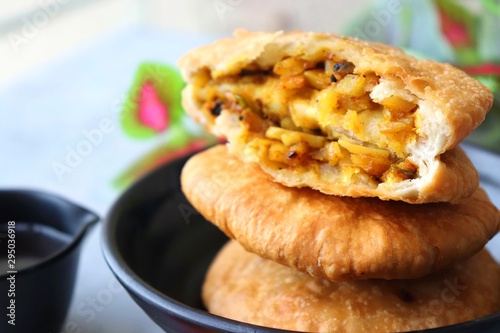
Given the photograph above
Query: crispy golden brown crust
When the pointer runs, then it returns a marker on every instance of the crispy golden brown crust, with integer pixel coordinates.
(338, 238)
(452, 104)
(247, 288)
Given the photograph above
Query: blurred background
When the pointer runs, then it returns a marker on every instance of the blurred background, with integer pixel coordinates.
(71, 69)
(34, 31)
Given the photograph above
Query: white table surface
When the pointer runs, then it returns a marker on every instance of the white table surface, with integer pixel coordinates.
(46, 112)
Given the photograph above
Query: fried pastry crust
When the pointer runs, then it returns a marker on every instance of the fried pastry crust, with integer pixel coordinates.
(337, 114)
(244, 287)
(338, 238)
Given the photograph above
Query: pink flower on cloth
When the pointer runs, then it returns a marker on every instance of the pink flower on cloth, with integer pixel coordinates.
(455, 32)
(153, 109)
(153, 104)
(152, 112)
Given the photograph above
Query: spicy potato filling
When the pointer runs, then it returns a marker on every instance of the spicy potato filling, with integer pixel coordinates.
(301, 114)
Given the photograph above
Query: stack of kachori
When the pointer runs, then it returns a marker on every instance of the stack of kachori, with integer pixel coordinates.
(350, 203)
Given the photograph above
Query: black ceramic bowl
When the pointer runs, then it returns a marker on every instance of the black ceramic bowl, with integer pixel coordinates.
(40, 240)
(159, 248)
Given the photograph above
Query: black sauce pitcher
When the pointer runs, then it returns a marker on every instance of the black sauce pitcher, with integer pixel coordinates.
(40, 240)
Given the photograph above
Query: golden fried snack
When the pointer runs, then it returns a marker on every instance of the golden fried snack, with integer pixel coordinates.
(338, 238)
(244, 287)
(337, 114)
